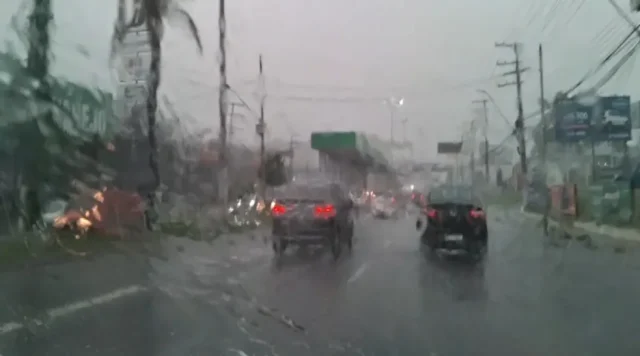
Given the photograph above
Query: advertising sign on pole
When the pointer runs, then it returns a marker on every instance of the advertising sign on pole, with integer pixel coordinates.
(82, 108)
(131, 96)
(572, 121)
(135, 41)
(135, 67)
(613, 119)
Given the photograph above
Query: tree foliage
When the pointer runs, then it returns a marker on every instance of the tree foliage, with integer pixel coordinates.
(44, 148)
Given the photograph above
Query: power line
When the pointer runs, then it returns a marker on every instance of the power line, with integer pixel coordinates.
(404, 90)
(603, 62)
(553, 26)
(551, 15)
(614, 70)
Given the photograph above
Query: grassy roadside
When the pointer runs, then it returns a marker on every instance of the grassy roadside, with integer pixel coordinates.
(20, 251)
(24, 250)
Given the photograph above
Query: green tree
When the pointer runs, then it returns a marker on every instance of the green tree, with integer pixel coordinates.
(48, 146)
(38, 69)
(152, 13)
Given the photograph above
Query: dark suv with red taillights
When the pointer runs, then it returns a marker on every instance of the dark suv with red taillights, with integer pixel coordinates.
(312, 214)
(455, 219)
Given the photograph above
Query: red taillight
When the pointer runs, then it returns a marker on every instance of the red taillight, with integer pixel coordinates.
(324, 211)
(278, 210)
(477, 214)
(432, 213)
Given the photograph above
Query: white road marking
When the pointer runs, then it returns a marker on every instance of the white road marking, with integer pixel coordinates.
(71, 308)
(359, 272)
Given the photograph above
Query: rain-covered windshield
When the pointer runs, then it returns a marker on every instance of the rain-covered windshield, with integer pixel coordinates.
(148, 149)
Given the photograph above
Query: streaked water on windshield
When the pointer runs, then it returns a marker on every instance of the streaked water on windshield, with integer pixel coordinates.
(183, 177)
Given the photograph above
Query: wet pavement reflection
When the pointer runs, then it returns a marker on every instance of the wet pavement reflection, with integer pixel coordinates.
(388, 297)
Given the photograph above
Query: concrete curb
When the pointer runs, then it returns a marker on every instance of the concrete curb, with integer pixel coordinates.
(590, 227)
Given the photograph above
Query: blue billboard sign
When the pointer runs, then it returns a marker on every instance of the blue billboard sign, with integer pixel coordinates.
(612, 121)
(572, 121)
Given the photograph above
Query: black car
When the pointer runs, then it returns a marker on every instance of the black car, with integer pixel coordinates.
(312, 214)
(456, 220)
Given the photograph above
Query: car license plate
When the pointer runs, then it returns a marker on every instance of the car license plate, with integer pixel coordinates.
(453, 238)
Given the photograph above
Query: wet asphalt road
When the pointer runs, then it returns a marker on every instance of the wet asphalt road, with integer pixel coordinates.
(529, 297)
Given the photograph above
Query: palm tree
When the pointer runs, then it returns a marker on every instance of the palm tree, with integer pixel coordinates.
(38, 61)
(153, 13)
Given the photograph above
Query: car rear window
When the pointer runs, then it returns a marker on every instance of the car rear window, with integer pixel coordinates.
(452, 194)
(303, 192)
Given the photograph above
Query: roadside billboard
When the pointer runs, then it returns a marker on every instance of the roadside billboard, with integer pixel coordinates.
(612, 119)
(80, 110)
(91, 110)
(635, 114)
(449, 147)
(572, 121)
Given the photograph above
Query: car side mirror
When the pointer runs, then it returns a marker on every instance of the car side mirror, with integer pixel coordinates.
(418, 224)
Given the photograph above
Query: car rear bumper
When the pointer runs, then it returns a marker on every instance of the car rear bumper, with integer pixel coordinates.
(456, 237)
(303, 232)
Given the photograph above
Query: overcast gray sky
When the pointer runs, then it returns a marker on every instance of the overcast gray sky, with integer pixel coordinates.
(330, 63)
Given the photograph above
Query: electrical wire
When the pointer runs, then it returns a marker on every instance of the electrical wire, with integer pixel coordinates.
(577, 10)
(614, 70)
(604, 61)
(605, 37)
(626, 72)
(404, 91)
(551, 15)
(536, 14)
(528, 14)
(561, 26)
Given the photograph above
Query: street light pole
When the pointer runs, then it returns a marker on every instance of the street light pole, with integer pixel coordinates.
(391, 120)
(393, 105)
(485, 130)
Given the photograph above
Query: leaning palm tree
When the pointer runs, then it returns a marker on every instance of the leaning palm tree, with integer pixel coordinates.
(38, 60)
(152, 13)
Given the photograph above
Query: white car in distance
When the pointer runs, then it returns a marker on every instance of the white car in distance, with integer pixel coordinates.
(384, 207)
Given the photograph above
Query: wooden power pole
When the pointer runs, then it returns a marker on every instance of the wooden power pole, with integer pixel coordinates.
(517, 71)
(260, 129)
(485, 132)
(223, 181)
(543, 147)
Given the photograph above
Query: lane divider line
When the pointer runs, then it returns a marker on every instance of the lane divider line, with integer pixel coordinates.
(358, 273)
(74, 307)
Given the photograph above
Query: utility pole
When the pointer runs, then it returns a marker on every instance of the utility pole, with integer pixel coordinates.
(519, 126)
(485, 130)
(231, 113)
(223, 189)
(260, 129)
(291, 157)
(404, 136)
(404, 130)
(543, 148)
